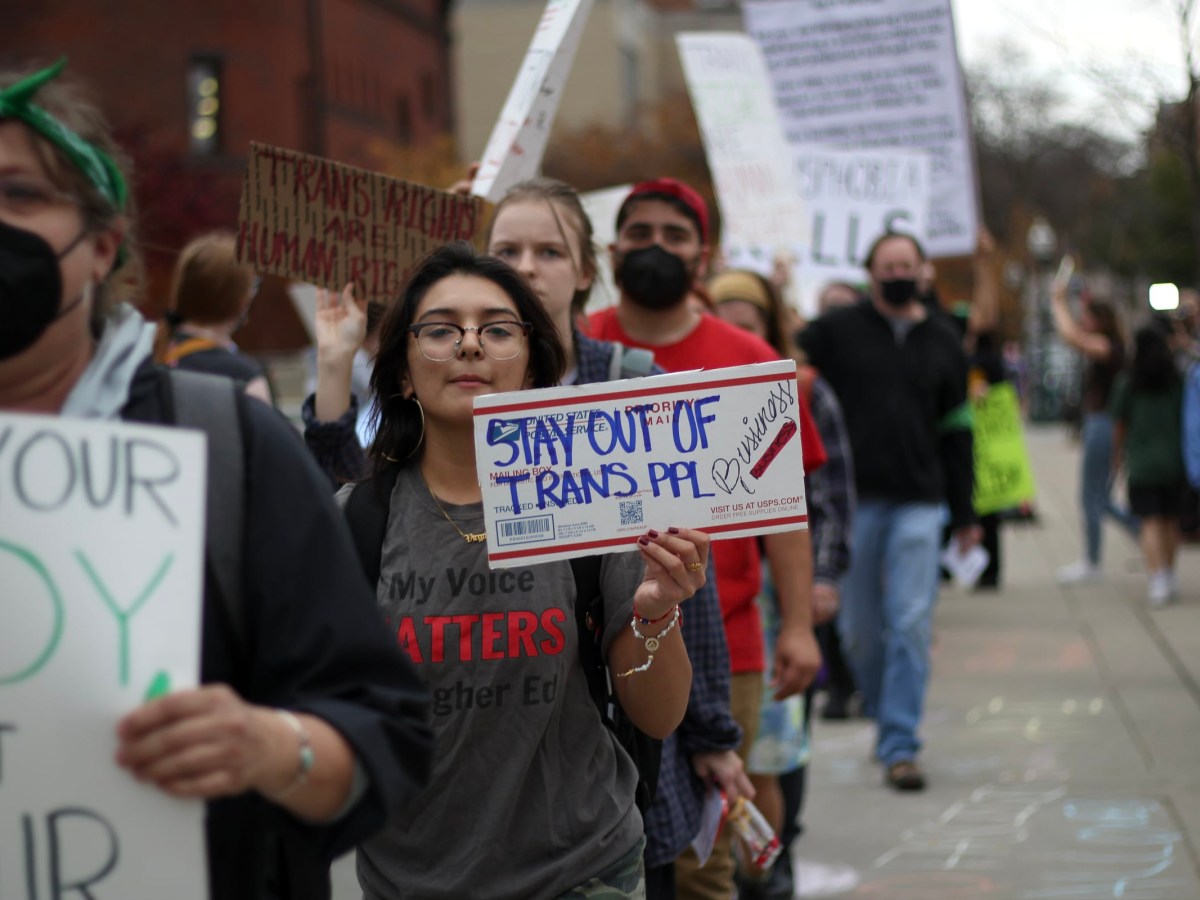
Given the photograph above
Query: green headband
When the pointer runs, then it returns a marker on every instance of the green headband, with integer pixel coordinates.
(98, 166)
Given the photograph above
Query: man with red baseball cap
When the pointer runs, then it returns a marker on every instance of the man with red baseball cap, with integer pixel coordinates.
(660, 255)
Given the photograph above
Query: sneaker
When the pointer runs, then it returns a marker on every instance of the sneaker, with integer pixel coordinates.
(1173, 584)
(1080, 573)
(905, 775)
(1158, 589)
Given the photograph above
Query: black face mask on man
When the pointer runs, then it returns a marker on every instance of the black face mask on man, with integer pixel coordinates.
(30, 288)
(653, 278)
(897, 292)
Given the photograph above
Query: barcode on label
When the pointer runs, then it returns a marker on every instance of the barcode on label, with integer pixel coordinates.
(524, 531)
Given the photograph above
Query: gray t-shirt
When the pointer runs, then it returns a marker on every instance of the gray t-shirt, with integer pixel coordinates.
(530, 794)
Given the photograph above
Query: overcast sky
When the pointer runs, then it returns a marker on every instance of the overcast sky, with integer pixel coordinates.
(1065, 38)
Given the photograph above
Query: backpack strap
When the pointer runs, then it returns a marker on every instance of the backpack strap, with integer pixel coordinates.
(614, 362)
(629, 362)
(187, 347)
(638, 362)
(366, 513)
(210, 404)
(589, 620)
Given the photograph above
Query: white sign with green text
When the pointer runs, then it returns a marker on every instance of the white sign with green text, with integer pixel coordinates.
(101, 549)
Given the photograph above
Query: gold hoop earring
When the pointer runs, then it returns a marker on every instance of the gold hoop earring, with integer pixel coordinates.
(421, 439)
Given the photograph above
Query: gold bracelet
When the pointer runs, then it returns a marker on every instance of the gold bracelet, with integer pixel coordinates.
(652, 642)
(307, 758)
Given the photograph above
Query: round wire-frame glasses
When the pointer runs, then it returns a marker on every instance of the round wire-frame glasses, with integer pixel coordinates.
(441, 341)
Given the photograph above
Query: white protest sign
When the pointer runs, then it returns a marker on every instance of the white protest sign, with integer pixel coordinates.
(518, 141)
(589, 469)
(101, 549)
(873, 74)
(601, 208)
(744, 141)
(854, 196)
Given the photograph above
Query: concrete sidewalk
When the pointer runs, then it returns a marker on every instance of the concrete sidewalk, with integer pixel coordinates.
(1062, 737)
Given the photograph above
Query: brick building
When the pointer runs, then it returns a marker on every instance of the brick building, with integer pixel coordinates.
(188, 85)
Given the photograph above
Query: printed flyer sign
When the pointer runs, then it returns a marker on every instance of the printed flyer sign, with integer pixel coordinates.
(101, 549)
(577, 470)
(747, 152)
(518, 141)
(853, 196)
(1003, 477)
(327, 224)
(875, 74)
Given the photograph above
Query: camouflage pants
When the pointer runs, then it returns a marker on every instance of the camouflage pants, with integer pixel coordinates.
(624, 881)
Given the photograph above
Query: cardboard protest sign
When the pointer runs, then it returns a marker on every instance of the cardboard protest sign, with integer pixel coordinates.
(589, 469)
(517, 143)
(743, 139)
(883, 74)
(1003, 477)
(327, 224)
(101, 549)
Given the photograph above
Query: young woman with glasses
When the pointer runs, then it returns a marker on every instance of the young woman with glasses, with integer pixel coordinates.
(531, 796)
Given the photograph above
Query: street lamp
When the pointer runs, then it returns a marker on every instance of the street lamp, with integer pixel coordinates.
(1164, 297)
(1042, 244)
(1041, 241)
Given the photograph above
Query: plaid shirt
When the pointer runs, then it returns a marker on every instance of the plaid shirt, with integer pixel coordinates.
(830, 489)
(592, 359)
(674, 817)
(334, 445)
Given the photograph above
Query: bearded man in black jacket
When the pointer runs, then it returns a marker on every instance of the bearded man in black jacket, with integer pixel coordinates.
(901, 376)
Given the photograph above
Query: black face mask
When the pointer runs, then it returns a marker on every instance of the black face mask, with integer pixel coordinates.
(653, 278)
(898, 291)
(30, 288)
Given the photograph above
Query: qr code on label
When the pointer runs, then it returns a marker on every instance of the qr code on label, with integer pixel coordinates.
(631, 512)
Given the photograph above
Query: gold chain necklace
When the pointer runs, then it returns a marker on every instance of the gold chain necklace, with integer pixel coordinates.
(471, 537)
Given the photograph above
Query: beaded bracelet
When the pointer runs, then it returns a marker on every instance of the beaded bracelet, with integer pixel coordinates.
(651, 642)
(646, 621)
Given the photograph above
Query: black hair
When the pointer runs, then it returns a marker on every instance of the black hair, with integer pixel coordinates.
(887, 236)
(400, 427)
(1153, 366)
(1107, 323)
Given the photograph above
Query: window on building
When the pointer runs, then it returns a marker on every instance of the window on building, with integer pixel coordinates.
(204, 106)
(404, 119)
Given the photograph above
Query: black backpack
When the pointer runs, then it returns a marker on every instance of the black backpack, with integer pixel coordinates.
(367, 514)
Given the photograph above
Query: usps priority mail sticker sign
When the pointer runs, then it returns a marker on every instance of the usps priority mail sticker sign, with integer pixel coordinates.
(578, 470)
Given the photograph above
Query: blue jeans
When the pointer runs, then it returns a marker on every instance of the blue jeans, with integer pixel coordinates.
(886, 616)
(1096, 484)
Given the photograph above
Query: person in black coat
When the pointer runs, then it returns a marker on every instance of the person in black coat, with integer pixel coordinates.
(308, 730)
